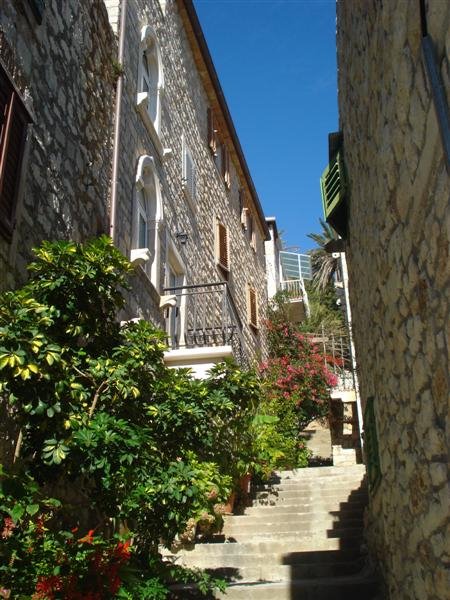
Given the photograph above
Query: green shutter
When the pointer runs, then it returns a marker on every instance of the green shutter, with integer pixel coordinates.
(371, 446)
(334, 195)
(332, 184)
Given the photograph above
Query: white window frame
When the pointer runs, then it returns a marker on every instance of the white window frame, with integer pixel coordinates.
(150, 48)
(141, 213)
(147, 182)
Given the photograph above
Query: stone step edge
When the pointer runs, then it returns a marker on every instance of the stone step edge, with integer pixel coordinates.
(322, 582)
(325, 582)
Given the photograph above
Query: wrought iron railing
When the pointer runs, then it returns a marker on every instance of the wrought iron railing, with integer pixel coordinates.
(205, 315)
(337, 357)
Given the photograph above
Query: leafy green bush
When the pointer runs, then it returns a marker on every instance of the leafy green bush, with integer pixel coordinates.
(120, 442)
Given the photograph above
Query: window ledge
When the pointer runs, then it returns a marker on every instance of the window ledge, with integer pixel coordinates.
(139, 256)
(142, 108)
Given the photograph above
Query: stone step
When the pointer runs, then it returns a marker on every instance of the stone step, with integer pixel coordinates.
(303, 475)
(301, 500)
(262, 515)
(321, 472)
(262, 547)
(274, 568)
(297, 534)
(296, 524)
(341, 493)
(312, 506)
(348, 486)
(330, 588)
(272, 573)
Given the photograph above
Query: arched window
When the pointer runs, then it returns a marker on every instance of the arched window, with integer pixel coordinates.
(151, 81)
(148, 217)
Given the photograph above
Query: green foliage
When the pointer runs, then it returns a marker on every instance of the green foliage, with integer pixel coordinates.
(60, 560)
(324, 265)
(118, 440)
(325, 314)
(296, 391)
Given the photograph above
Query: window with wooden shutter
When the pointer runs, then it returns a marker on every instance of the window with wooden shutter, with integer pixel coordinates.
(189, 173)
(252, 307)
(14, 121)
(212, 133)
(241, 202)
(251, 230)
(223, 257)
(226, 167)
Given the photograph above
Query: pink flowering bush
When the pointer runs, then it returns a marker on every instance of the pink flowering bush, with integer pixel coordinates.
(297, 386)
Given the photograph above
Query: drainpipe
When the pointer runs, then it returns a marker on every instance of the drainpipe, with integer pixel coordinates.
(117, 115)
(352, 346)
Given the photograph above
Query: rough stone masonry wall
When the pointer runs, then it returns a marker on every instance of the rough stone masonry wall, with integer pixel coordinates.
(64, 70)
(184, 112)
(398, 255)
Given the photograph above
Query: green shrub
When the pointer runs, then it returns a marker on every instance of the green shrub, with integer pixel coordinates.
(120, 442)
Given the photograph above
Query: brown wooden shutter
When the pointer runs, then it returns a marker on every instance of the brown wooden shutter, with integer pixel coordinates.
(14, 120)
(253, 307)
(250, 226)
(226, 167)
(223, 256)
(212, 133)
(241, 202)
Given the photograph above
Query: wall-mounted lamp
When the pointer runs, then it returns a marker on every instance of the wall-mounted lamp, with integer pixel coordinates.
(182, 237)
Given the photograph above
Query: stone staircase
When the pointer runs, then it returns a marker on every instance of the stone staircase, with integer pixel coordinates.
(300, 539)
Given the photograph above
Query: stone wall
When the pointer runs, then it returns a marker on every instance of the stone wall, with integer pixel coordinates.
(63, 69)
(184, 114)
(398, 255)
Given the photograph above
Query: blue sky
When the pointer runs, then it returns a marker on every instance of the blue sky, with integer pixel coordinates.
(276, 61)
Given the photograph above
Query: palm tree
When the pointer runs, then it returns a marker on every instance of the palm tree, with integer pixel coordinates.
(324, 265)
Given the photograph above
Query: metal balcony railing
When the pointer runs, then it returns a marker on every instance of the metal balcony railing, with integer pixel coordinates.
(294, 289)
(205, 315)
(337, 357)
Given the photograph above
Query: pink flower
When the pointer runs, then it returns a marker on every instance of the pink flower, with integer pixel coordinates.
(8, 527)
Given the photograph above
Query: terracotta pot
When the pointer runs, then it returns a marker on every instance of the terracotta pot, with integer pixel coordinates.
(244, 483)
(228, 507)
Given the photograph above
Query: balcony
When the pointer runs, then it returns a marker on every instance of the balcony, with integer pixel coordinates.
(298, 299)
(203, 327)
(295, 289)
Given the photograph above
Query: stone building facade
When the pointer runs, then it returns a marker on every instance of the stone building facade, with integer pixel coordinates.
(57, 85)
(395, 142)
(184, 191)
(128, 132)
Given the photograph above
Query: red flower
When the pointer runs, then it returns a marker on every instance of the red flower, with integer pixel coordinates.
(47, 586)
(8, 527)
(89, 538)
(40, 526)
(122, 551)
